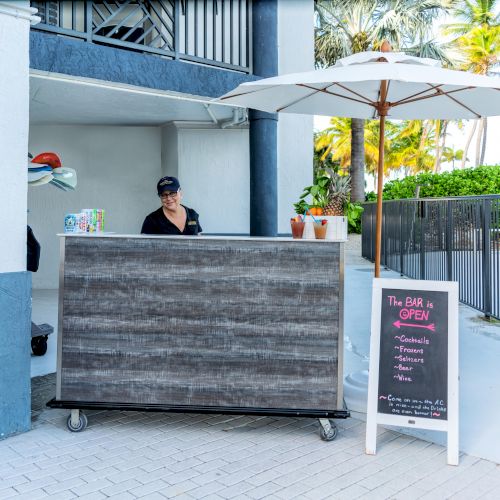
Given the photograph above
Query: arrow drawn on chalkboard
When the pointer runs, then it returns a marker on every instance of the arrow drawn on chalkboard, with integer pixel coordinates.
(430, 326)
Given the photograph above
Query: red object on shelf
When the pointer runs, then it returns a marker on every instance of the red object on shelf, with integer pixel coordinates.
(48, 158)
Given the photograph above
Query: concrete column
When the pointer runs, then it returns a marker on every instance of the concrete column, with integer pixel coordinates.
(263, 126)
(15, 282)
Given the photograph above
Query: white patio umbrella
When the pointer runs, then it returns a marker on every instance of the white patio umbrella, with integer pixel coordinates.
(375, 85)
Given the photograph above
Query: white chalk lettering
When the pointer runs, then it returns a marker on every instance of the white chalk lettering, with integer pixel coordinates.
(409, 359)
(412, 340)
(409, 350)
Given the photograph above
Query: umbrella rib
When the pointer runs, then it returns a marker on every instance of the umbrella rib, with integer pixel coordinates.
(365, 101)
(347, 89)
(439, 92)
(457, 101)
(407, 99)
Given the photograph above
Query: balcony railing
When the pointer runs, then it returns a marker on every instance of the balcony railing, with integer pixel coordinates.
(209, 32)
(451, 239)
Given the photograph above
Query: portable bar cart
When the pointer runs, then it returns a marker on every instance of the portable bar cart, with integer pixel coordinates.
(231, 325)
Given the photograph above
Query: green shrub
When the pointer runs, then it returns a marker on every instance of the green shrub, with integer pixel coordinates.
(354, 212)
(467, 182)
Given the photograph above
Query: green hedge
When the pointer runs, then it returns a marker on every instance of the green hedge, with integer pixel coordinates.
(467, 182)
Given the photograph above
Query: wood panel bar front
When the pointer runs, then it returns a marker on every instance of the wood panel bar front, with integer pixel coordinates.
(201, 322)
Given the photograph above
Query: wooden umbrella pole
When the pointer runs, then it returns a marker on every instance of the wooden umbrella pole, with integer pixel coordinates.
(382, 109)
(380, 184)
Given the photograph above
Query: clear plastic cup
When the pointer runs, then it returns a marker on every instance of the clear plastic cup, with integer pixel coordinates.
(297, 229)
(320, 230)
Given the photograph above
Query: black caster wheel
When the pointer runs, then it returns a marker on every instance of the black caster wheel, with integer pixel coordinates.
(330, 434)
(39, 345)
(82, 423)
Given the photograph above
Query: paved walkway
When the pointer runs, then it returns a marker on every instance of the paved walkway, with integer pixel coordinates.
(126, 455)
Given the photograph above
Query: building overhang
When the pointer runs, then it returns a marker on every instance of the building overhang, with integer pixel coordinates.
(58, 99)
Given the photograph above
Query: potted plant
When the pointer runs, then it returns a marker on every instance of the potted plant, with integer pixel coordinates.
(328, 198)
(319, 197)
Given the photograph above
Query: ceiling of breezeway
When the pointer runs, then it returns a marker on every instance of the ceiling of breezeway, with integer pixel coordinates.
(60, 99)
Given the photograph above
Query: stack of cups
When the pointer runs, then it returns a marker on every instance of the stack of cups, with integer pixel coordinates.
(89, 220)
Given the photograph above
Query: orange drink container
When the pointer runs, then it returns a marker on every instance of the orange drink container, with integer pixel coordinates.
(297, 229)
(320, 230)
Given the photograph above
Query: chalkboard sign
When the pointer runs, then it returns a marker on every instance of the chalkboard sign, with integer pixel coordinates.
(413, 379)
(413, 364)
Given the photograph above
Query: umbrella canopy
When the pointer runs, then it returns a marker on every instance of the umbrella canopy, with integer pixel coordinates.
(417, 89)
(375, 85)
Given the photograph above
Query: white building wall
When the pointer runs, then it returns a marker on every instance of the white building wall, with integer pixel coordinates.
(295, 132)
(14, 102)
(215, 177)
(169, 150)
(117, 169)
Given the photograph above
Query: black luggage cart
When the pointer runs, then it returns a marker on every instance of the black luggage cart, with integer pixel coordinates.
(39, 335)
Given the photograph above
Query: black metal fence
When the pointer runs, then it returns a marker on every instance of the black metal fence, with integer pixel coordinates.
(447, 239)
(212, 32)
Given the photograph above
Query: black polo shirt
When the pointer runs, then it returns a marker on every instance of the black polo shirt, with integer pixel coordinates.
(157, 223)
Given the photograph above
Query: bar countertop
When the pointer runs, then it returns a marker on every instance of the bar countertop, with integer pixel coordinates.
(199, 237)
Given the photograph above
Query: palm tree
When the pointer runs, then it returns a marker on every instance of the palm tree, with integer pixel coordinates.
(478, 38)
(345, 27)
(412, 146)
(335, 142)
(481, 49)
(473, 13)
(334, 145)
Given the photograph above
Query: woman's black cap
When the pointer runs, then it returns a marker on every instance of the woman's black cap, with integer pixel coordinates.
(167, 184)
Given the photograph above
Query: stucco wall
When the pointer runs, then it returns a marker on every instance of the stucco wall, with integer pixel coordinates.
(169, 151)
(214, 174)
(295, 132)
(15, 351)
(117, 169)
(14, 101)
(15, 281)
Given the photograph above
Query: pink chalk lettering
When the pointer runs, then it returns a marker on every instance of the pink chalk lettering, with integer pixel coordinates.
(414, 301)
(430, 326)
(394, 302)
(415, 314)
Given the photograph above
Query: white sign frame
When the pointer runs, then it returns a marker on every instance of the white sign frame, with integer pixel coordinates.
(450, 426)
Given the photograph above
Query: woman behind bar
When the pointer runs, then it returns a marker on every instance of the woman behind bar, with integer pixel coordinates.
(171, 217)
